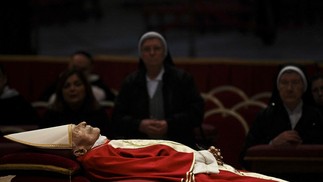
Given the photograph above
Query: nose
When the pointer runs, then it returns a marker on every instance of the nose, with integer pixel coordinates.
(72, 87)
(290, 86)
(152, 51)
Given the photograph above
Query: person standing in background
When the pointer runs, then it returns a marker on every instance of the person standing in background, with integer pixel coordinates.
(158, 101)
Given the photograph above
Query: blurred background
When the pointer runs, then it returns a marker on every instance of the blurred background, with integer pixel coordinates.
(252, 29)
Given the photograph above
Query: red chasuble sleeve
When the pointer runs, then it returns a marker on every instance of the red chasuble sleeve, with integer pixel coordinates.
(156, 162)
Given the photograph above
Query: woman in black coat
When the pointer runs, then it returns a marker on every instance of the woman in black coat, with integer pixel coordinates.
(158, 101)
(290, 118)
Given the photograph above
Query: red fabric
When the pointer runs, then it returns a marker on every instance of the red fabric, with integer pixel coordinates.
(152, 163)
(31, 158)
(157, 162)
(7, 147)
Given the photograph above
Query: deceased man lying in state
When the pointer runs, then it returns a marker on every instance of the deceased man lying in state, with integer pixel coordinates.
(149, 160)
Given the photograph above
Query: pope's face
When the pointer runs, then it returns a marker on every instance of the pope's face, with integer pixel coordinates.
(85, 135)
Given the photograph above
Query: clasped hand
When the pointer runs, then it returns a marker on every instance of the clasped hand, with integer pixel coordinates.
(154, 128)
(289, 137)
(217, 154)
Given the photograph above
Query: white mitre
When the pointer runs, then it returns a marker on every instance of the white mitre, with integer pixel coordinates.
(58, 137)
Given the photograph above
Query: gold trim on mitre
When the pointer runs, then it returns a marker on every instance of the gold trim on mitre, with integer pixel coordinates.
(58, 137)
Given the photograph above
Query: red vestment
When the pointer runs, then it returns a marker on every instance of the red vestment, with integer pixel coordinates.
(156, 162)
